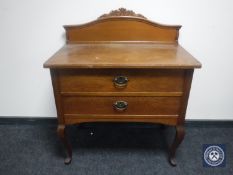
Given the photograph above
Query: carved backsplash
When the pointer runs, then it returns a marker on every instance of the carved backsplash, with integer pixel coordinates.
(121, 12)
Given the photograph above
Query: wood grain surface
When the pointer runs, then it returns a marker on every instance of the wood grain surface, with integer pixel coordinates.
(121, 29)
(136, 105)
(139, 80)
(122, 55)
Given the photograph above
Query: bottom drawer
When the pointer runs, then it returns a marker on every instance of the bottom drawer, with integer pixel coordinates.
(121, 105)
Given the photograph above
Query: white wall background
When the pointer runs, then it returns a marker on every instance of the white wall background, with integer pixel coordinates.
(31, 31)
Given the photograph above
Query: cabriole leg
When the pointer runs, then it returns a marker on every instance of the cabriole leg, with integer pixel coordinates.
(62, 135)
(180, 132)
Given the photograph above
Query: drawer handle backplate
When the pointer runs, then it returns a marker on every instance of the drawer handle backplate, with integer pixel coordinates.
(120, 81)
(120, 105)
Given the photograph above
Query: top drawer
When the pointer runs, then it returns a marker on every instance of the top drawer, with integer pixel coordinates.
(115, 80)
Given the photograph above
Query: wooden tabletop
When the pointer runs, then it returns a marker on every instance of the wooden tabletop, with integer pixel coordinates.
(122, 55)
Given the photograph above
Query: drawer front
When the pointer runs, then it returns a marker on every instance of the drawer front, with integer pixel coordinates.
(116, 105)
(141, 80)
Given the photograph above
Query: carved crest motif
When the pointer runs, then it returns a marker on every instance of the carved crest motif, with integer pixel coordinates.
(121, 12)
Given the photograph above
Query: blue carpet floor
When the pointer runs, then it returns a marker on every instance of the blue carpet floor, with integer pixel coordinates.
(109, 150)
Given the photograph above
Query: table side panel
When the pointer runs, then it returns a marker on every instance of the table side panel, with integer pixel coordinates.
(168, 120)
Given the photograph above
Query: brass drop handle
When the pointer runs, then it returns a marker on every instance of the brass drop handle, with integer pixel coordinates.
(120, 81)
(120, 105)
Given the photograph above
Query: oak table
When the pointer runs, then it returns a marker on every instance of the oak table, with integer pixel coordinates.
(122, 68)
